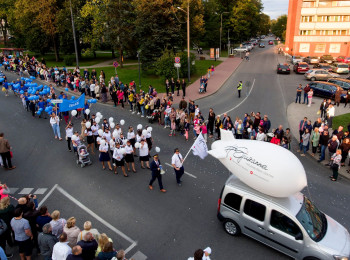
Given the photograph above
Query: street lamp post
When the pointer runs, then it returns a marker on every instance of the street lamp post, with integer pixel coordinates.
(221, 29)
(74, 35)
(138, 57)
(188, 39)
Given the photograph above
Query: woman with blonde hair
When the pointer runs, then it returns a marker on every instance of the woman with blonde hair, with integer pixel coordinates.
(72, 231)
(57, 223)
(6, 214)
(102, 242)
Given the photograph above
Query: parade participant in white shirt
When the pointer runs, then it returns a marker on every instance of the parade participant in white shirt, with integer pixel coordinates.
(75, 141)
(55, 124)
(107, 134)
(131, 137)
(129, 157)
(69, 134)
(176, 162)
(143, 152)
(117, 131)
(149, 140)
(118, 157)
(90, 139)
(104, 155)
(94, 129)
(122, 140)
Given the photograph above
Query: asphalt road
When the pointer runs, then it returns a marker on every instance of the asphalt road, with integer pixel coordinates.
(163, 226)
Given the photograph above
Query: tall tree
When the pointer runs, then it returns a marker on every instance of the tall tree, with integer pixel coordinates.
(6, 11)
(264, 24)
(278, 27)
(212, 20)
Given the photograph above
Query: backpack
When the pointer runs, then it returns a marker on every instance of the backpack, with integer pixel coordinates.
(3, 227)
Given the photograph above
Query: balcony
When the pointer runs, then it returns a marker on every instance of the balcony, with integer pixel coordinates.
(325, 11)
(325, 26)
(315, 38)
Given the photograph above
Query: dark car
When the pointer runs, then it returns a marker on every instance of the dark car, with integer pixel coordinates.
(283, 68)
(270, 42)
(326, 59)
(343, 83)
(261, 45)
(325, 89)
(301, 67)
(324, 66)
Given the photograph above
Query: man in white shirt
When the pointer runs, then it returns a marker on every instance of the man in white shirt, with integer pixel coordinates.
(176, 162)
(61, 250)
(261, 136)
(330, 115)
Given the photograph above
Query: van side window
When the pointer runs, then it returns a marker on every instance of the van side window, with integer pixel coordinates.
(255, 210)
(283, 223)
(233, 200)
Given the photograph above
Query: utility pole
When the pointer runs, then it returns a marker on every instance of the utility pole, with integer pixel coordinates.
(188, 42)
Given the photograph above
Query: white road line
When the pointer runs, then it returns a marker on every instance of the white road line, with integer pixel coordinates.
(26, 191)
(130, 248)
(40, 191)
(93, 214)
(241, 101)
(47, 195)
(13, 190)
(189, 174)
(139, 256)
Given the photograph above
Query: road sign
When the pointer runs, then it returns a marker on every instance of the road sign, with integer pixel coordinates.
(57, 101)
(115, 64)
(177, 59)
(177, 65)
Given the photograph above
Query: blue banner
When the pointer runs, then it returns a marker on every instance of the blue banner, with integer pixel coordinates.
(69, 105)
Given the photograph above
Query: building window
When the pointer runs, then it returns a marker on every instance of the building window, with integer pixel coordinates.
(323, 3)
(334, 48)
(304, 47)
(307, 19)
(320, 48)
(341, 3)
(308, 4)
(305, 32)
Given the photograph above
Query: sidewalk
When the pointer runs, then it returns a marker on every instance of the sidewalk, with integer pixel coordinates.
(221, 75)
(296, 112)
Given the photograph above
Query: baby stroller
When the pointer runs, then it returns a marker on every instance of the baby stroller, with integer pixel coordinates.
(83, 156)
(154, 117)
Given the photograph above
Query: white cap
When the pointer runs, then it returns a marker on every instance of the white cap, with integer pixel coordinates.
(208, 250)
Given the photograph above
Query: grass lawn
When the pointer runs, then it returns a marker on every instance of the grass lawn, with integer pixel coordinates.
(342, 120)
(129, 73)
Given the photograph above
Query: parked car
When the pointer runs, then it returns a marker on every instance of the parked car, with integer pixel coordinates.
(326, 59)
(325, 90)
(261, 45)
(291, 225)
(270, 42)
(340, 68)
(319, 74)
(311, 60)
(283, 68)
(263, 36)
(295, 59)
(343, 59)
(343, 83)
(301, 67)
(241, 49)
(324, 66)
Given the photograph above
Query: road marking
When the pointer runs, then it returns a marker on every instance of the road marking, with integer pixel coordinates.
(189, 174)
(47, 195)
(139, 256)
(26, 191)
(40, 191)
(241, 101)
(13, 190)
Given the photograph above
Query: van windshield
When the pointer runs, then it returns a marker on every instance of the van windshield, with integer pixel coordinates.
(313, 221)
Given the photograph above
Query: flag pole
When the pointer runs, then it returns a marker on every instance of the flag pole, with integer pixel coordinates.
(187, 154)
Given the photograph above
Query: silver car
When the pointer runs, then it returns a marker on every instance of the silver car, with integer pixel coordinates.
(340, 68)
(319, 74)
(241, 49)
(291, 225)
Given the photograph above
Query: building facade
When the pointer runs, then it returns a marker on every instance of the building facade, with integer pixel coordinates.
(318, 27)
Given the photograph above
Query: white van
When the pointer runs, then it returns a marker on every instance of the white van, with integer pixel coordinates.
(291, 225)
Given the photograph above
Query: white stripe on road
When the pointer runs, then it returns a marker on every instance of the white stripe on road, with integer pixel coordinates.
(47, 196)
(189, 174)
(26, 191)
(139, 256)
(13, 190)
(241, 101)
(40, 191)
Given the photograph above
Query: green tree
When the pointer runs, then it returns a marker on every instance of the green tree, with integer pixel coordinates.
(279, 26)
(264, 24)
(212, 20)
(7, 8)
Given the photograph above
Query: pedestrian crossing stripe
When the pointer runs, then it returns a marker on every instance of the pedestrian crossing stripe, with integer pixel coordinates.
(25, 191)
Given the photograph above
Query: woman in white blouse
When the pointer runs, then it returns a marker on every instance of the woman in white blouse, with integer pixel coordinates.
(69, 134)
(129, 157)
(118, 157)
(104, 155)
(55, 123)
(143, 152)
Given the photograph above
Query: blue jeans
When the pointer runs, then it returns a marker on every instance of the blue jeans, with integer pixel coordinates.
(167, 121)
(298, 97)
(56, 130)
(306, 98)
(323, 152)
(303, 148)
(143, 110)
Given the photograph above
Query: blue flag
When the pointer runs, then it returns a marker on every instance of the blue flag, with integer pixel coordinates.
(69, 105)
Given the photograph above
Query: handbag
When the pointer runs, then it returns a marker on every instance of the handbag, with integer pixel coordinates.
(334, 166)
(3, 89)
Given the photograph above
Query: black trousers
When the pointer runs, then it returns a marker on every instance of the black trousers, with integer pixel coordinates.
(239, 93)
(157, 176)
(211, 127)
(69, 141)
(6, 158)
(179, 174)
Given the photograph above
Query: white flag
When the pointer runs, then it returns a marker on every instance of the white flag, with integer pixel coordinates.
(199, 147)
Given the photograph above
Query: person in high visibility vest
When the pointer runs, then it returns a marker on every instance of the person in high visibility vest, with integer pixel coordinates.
(239, 88)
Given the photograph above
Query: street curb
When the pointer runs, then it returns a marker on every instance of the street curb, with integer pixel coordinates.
(295, 135)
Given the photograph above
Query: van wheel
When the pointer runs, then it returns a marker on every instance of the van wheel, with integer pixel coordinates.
(313, 79)
(311, 258)
(231, 227)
